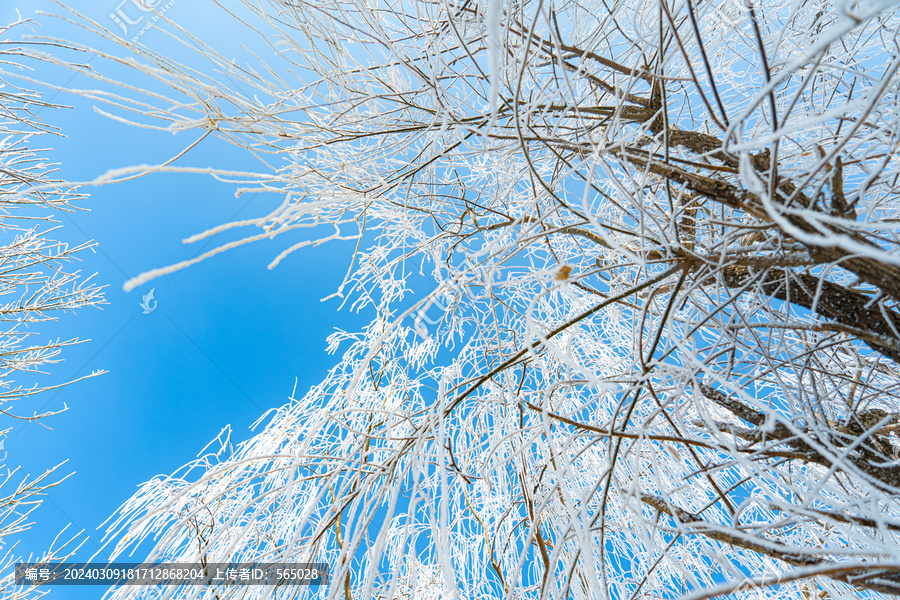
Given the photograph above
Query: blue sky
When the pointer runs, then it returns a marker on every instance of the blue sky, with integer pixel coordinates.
(226, 342)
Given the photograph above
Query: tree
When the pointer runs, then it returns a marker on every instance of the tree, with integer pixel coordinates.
(36, 285)
(659, 354)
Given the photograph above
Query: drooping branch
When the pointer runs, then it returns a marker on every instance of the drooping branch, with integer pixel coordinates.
(880, 578)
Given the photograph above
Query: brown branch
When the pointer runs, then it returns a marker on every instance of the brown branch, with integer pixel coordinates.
(827, 299)
(884, 276)
(884, 579)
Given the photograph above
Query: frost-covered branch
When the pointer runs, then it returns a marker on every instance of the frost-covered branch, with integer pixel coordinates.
(633, 282)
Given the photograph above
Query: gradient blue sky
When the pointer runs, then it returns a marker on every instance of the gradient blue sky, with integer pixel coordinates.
(228, 337)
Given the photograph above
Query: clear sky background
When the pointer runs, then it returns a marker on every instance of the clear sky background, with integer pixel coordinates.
(227, 339)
